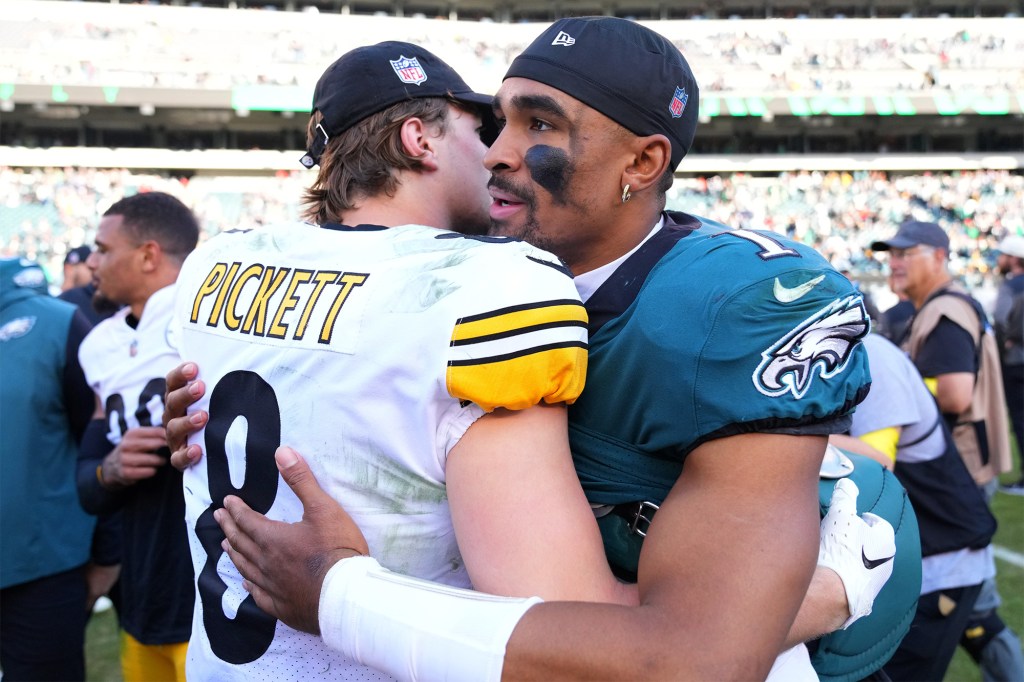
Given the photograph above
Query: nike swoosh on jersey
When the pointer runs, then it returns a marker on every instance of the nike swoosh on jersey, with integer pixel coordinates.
(789, 294)
(873, 563)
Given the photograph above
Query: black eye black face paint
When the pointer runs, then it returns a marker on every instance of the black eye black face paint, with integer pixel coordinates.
(550, 168)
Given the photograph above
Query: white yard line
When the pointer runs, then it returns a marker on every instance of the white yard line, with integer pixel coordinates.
(1009, 556)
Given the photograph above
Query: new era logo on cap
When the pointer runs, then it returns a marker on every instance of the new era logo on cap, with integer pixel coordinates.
(601, 72)
(563, 38)
(409, 70)
(678, 103)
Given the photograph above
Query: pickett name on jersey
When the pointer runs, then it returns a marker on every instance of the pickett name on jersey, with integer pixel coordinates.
(274, 302)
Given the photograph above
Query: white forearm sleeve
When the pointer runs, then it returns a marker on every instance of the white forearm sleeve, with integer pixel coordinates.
(415, 629)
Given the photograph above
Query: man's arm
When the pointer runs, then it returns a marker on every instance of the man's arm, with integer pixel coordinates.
(866, 445)
(722, 573)
(523, 524)
(713, 580)
(954, 391)
(1003, 305)
(99, 580)
(823, 610)
(948, 360)
(285, 566)
(472, 462)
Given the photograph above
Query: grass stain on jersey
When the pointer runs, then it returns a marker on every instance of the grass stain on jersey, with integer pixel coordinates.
(417, 293)
(412, 543)
(393, 488)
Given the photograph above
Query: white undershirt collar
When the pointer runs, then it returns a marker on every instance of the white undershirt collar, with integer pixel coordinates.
(589, 282)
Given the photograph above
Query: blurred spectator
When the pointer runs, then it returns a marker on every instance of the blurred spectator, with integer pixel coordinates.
(846, 270)
(93, 305)
(46, 535)
(899, 418)
(893, 323)
(42, 210)
(82, 292)
(1009, 323)
(953, 347)
(105, 565)
(76, 272)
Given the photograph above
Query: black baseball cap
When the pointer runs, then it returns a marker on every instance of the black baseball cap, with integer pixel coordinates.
(629, 73)
(369, 79)
(912, 233)
(77, 255)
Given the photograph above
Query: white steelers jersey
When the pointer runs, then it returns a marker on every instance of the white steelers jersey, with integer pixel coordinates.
(127, 367)
(370, 351)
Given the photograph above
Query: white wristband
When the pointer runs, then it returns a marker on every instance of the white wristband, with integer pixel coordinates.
(414, 629)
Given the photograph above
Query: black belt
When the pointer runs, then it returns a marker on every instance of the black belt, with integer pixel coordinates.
(637, 514)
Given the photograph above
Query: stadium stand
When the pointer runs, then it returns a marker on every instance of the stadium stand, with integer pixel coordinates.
(165, 47)
(547, 10)
(117, 75)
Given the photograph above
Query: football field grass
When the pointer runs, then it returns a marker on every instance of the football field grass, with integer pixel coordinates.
(102, 638)
(1009, 510)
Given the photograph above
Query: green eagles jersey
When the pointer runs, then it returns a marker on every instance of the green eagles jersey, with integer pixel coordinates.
(704, 333)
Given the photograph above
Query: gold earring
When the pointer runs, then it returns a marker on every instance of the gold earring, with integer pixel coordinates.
(626, 196)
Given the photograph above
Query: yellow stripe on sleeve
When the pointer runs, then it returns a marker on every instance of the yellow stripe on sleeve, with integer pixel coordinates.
(518, 356)
(883, 440)
(517, 320)
(553, 374)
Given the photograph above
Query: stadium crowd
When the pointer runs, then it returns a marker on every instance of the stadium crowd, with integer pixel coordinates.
(841, 213)
(169, 48)
(45, 212)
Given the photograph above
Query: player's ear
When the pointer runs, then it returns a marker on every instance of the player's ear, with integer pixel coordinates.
(418, 139)
(151, 255)
(649, 161)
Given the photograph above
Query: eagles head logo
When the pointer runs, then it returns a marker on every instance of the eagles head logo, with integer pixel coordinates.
(822, 344)
(17, 328)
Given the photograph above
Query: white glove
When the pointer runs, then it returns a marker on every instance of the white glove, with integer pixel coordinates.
(859, 550)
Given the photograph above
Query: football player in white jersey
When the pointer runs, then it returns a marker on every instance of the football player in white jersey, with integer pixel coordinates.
(141, 243)
(423, 372)
(511, 498)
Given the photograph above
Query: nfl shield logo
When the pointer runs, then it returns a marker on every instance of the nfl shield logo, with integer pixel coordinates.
(678, 103)
(409, 70)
